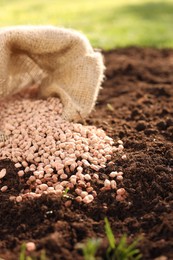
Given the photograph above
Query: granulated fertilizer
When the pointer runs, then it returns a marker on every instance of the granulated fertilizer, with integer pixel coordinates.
(54, 152)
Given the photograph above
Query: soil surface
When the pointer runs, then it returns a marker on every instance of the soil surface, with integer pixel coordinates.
(136, 106)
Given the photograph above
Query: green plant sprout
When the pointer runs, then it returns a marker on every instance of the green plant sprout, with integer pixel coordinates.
(115, 251)
(110, 107)
(90, 248)
(23, 253)
(120, 251)
(66, 191)
(43, 255)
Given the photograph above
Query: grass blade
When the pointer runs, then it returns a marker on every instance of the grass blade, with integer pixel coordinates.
(109, 234)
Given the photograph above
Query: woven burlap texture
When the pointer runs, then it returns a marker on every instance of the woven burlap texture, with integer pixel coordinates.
(61, 61)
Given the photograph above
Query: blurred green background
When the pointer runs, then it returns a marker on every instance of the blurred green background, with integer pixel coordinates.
(107, 23)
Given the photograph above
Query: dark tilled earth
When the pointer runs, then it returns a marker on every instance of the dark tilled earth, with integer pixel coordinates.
(135, 105)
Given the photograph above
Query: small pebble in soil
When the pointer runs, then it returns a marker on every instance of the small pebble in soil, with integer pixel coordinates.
(120, 142)
(4, 188)
(120, 148)
(19, 198)
(121, 194)
(3, 173)
(107, 184)
(119, 177)
(124, 157)
(30, 246)
(113, 174)
(121, 191)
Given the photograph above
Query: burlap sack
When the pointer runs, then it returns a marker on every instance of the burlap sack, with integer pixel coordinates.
(61, 61)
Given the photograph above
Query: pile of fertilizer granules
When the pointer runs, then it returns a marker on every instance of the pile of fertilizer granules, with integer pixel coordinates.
(54, 153)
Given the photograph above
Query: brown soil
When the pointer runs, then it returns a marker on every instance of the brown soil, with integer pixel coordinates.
(139, 86)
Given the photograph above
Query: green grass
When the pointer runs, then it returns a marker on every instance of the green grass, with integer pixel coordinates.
(23, 254)
(120, 250)
(107, 23)
(90, 248)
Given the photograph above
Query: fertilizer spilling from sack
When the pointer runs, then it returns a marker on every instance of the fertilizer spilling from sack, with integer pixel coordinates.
(54, 153)
(60, 61)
